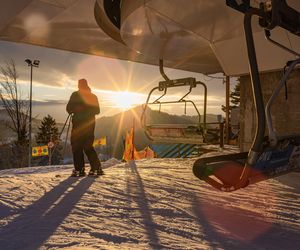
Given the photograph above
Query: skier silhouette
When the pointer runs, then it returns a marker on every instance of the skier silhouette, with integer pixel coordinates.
(84, 105)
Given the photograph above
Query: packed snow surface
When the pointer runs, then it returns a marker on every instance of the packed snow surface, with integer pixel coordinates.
(147, 204)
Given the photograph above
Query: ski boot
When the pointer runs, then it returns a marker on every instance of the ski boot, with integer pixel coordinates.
(97, 172)
(77, 173)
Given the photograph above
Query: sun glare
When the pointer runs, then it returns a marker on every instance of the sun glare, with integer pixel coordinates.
(126, 100)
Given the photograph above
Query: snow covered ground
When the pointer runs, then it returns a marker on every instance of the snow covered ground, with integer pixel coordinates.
(147, 204)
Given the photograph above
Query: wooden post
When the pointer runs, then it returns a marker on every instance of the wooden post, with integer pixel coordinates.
(221, 127)
(227, 108)
(50, 155)
(50, 145)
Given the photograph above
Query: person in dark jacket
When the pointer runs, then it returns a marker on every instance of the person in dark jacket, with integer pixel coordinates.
(83, 106)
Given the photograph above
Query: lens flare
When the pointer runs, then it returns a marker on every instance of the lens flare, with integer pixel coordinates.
(36, 25)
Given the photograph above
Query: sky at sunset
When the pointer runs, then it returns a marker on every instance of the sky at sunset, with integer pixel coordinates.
(118, 84)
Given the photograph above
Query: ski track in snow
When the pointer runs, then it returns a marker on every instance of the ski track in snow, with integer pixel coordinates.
(147, 204)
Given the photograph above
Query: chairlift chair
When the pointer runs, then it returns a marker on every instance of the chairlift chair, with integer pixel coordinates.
(271, 155)
(197, 133)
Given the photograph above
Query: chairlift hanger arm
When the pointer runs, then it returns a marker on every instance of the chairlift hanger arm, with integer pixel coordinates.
(161, 70)
(188, 81)
(256, 88)
(164, 85)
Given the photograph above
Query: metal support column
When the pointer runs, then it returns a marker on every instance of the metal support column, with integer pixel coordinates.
(227, 131)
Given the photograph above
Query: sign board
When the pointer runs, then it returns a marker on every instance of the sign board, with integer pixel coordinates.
(40, 151)
(98, 142)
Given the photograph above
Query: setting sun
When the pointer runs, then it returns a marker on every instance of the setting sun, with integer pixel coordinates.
(125, 100)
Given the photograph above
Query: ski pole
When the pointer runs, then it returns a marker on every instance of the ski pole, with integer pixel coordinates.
(60, 134)
(64, 126)
(67, 136)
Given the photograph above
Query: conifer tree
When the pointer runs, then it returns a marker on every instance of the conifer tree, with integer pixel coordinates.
(47, 132)
(234, 98)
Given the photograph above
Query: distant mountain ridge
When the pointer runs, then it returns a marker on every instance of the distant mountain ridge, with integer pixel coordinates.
(115, 127)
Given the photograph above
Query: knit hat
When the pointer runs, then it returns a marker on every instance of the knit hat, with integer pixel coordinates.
(83, 85)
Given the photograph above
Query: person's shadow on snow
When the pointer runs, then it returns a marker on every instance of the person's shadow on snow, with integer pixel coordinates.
(39, 221)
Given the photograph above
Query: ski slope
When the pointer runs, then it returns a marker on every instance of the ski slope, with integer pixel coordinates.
(147, 204)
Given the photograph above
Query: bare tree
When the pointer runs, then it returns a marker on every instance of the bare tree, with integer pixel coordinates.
(15, 105)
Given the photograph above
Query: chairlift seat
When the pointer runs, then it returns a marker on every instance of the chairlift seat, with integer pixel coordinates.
(175, 133)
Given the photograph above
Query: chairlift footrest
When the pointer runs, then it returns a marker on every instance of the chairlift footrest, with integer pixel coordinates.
(227, 172)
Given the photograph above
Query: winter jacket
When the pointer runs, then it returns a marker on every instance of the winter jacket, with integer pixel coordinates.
(84, 106)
